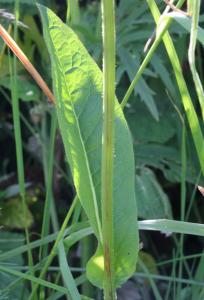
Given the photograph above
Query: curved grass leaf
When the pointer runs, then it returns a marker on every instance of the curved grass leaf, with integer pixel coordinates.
(66, 274)
(5, 256)
(186, 99)
(78, 90)
(171, 226)
(10, 241)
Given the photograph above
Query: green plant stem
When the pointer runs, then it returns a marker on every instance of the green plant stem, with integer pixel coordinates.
(190, 6)
(18, 139)
(185, 96)
(191, 53)
(48, 165)
(68, 279)
(108, 21)
(35, 134)
(3, 49)
(183, 203)
(73, 12)
(148, 57)
(54, 250)
(49, 178)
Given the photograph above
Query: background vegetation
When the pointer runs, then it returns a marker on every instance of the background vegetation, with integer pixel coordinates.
(166, 164)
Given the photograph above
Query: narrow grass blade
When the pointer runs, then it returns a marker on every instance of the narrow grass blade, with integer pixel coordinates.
(73, 12)
(18, 138)
(185, 96)
(33, 279)
(53, 252)
(149, 55)
(77, 236)
(153, 285)
(48, 239)
(183, 201)
(170, 278)
(48, 199)
(191, 54)
(170, 226)
(66, 274)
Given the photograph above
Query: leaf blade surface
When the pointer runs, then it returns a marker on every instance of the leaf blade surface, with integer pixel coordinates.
(78, 90)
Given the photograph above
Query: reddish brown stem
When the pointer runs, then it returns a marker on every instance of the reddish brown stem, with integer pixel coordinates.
(27, 64)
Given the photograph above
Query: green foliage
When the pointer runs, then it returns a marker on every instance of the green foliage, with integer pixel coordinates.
(154, 203)
(73, 12)
(134, 30)
(33, 39)
(170, 226)
(159, 146)
(192, 117)
(7, 282)
(161, 131)
(12, 214)
(27, 91)
(146, 94)
(155, 126)
(4, 67)
(28, 2)
(4, 23)
(149, 262)
(80, 119)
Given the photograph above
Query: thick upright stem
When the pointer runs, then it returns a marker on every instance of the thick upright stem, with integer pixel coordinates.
(108, 19)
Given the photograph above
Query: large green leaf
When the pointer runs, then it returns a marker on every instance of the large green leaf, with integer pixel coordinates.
(78, 90)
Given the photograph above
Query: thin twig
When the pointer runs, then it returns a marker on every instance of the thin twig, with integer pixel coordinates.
(27, 64)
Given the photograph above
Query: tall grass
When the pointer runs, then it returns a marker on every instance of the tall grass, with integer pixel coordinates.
(72, 230)
(18, 136)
